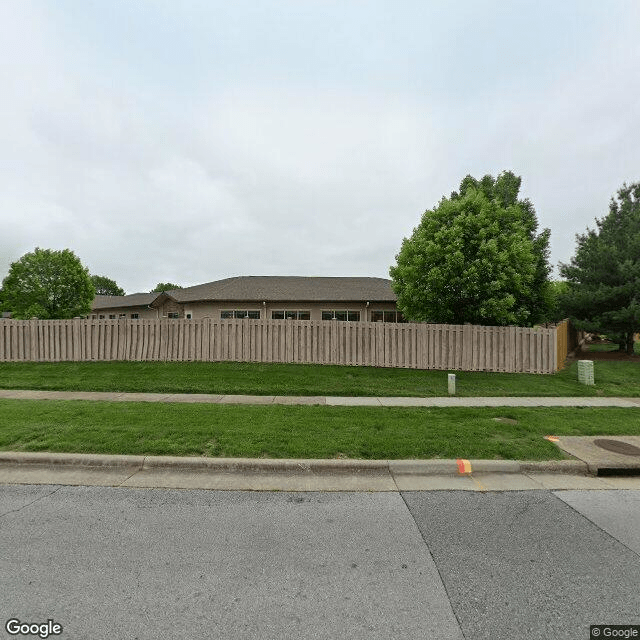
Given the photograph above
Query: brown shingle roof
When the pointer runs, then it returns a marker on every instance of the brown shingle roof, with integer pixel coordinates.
(132, 300)
(268, 289)
(288, 288)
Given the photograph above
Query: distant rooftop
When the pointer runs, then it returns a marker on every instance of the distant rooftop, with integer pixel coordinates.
(133, 300)
(267, 289)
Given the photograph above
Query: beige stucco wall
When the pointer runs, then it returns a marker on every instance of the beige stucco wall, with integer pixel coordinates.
(144, 313)
(213, 310)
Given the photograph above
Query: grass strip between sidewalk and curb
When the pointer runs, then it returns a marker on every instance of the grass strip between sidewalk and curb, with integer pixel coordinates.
(613, 379)
(300, 431)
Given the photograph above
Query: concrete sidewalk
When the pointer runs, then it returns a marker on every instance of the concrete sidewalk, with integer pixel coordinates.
(334, 401)
(329, 475)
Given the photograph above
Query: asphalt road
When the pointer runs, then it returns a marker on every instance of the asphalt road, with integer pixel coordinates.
(154, 563)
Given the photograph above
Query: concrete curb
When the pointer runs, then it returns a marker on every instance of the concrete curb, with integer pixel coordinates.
(291, 466)
(71, 459)
(269, 465)
(555, 466)
(450, 467)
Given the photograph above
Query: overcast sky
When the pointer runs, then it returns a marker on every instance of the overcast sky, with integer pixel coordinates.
(188, 141)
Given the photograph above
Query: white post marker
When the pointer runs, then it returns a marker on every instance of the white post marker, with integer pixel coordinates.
(452, 384)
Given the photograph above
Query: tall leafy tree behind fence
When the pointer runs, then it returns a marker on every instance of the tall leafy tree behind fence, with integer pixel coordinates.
(477, 257)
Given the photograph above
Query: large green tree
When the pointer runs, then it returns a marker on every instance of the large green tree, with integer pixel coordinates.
(165, 286)
(604, 274)
(48, 284)
(558, 289)
(106, 286)
(477, 258)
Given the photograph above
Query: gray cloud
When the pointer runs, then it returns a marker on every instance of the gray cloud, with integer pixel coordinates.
(135, 144)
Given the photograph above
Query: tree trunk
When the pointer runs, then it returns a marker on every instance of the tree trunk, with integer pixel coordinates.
(629, 344)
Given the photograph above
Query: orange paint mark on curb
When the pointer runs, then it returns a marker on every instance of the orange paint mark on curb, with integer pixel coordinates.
(552, 438)
(464, 466)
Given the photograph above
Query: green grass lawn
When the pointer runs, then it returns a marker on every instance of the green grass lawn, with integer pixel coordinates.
(608, 346)
(299, 431)
(612, 379)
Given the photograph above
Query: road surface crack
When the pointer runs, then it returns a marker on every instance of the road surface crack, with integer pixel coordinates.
(30, 503)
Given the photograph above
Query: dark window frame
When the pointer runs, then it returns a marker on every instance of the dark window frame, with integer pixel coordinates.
(386, 313)
(297, 312)
(240, 314)
(348, 313)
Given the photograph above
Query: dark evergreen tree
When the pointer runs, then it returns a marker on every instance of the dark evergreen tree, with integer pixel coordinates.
(604, 274)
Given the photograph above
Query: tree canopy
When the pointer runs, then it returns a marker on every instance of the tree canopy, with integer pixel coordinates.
(48, 284)
(557, 290)
(165, 286)
(476, 258)
(106, 286)
(604, 274)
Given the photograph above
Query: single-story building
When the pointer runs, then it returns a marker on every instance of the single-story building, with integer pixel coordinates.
(262, 297)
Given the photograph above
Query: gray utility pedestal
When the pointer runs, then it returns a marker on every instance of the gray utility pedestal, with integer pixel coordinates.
(585, 372)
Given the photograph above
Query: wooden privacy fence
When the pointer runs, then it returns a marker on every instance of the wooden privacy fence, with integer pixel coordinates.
(415, 346)
(569, 339)
(562, 331)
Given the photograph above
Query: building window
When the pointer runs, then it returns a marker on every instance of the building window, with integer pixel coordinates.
(344, 316)
(101, 316)
(188, 315)
(173, 314)
(123, 315)
(240, 314)
(112, 316)
(387, 316)
(135, 316)
(291, 315)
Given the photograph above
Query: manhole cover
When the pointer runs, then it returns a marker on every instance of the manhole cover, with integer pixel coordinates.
(616, 446)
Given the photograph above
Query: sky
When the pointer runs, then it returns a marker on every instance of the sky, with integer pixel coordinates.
(190, 141)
